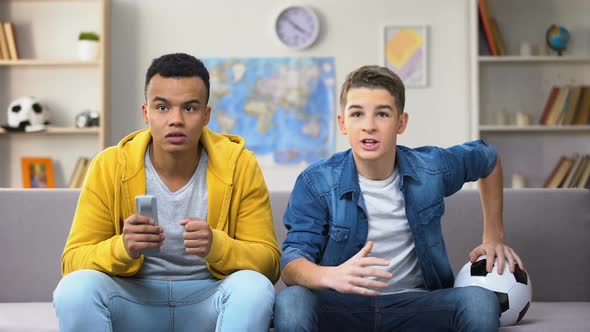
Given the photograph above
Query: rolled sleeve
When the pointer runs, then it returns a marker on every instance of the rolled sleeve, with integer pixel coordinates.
(468, 162)
(306, 220)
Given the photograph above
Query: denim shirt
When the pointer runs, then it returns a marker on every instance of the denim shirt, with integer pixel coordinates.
(327, 220)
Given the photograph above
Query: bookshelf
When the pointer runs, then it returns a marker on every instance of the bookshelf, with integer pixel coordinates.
(46, 34)
(512, 84)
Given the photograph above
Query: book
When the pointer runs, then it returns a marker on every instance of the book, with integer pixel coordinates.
(578, 171)
(79, 173)
(558, 105)
(577, 159)
(9, 34)
(564, 107)
(4, 55)
(559, 173)
(82, 177)
(498, 40)
(553, 172)
(548, 104)
(570, 111)
(485, 20)
(583, 113)
(482, 42)
(585, 176)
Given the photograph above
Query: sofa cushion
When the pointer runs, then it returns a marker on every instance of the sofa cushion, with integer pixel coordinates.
(554, 316)
(30, 317)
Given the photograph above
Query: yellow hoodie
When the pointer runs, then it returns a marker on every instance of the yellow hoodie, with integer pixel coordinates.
(239, 211)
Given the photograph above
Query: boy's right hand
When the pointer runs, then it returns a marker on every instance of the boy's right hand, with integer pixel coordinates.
(139, 233)
(351, 277)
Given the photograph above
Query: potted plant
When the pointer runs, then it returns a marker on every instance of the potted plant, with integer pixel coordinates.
(88, 45)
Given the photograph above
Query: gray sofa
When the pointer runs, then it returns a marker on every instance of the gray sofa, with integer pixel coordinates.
(549, 228)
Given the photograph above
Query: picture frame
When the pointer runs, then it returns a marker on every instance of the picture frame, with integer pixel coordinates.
(405, 52)
(37, 172)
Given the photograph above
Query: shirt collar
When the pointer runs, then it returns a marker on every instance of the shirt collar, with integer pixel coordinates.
(349, 181)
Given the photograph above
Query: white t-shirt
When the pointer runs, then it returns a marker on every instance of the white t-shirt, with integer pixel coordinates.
(172, 262)
(390, 232)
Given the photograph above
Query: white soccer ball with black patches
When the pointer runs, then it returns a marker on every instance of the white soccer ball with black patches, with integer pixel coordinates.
(514, 290)
(27, 114)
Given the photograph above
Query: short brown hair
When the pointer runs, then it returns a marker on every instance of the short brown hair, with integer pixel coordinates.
(375, 77)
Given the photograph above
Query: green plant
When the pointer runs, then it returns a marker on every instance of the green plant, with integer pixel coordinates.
(88, 35)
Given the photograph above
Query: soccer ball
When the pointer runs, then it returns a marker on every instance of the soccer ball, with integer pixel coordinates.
(27, 114)
(514, 290)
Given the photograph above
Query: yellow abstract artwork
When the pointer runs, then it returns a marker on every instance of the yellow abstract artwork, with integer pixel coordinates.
(405, 53)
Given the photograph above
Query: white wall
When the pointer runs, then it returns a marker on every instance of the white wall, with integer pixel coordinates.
(351, 32)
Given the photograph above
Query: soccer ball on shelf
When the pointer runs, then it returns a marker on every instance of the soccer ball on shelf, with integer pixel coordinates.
(26, 114)
(514, 290)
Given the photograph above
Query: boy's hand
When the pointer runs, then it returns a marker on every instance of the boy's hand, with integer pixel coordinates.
(139, 233)
(197, 235)
(353, 276)
(493, 249)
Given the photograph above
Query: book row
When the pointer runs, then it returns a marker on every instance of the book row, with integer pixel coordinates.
(570, 172)
(8, 49)
(490, 39)
(567, 105)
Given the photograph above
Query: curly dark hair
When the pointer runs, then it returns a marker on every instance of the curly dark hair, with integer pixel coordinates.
(177, 65)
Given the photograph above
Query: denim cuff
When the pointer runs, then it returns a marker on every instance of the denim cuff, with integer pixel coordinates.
(291, 254)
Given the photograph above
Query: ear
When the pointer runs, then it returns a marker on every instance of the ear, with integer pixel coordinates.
(341, 123)
(207, 115)
(402, 123)
(144, 110)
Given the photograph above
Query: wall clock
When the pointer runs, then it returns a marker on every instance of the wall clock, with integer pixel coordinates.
(297, 27)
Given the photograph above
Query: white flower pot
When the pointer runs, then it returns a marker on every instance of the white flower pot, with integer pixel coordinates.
(87, 50)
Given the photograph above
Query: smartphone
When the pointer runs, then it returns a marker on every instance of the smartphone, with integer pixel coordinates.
(146, 205)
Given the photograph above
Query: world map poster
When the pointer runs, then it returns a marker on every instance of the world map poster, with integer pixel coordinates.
(283, 107)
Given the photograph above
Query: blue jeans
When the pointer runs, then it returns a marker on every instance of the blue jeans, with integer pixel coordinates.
(88, 300)
(449, 309)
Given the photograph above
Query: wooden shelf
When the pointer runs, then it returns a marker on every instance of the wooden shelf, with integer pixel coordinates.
(532, 128)
(521, 59)
(49, 63)
(58, 131)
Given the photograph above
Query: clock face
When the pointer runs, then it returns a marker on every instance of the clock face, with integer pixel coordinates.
(297, 27)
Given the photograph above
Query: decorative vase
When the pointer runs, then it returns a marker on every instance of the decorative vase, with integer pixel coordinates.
(87, 50)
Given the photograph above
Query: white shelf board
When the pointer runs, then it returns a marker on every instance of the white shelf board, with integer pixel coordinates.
(533, 128)
(533, 59)
(48, 62)
(58, 131)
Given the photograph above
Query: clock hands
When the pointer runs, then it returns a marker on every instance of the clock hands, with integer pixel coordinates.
(296, 26)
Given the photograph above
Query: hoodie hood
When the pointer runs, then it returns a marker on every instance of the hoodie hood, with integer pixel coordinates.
(223, 151)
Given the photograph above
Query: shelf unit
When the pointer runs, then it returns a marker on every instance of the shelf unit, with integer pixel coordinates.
(46, 35)
(513, 83)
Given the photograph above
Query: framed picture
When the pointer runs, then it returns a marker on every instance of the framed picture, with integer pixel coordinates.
(405, 52)
(37, 172)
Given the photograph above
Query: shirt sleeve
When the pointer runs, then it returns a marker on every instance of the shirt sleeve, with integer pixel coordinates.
(468, 162)
(306, 220)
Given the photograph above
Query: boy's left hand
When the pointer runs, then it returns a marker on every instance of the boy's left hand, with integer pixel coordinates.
(197, 235)
(493, 249)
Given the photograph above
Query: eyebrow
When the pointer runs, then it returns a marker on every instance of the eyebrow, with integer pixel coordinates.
(379, 107)
(166, 101)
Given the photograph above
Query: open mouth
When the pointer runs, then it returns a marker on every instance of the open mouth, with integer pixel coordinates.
(176, 135)
(369, 141)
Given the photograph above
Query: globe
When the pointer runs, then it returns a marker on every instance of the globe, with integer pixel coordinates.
(557, 38)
